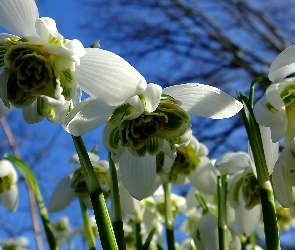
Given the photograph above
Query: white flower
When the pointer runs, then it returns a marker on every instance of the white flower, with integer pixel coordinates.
(188, 158)
(276, 108)
(19, 243)
(74, 185)
(244, 193)
(155, 120)
(284, 176)
(206, 234)
(41, 70)
(8, 186)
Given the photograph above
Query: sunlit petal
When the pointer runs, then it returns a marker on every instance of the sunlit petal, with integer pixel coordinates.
(19, 16)
(137, 174)
(204, 177)
(283, 65)
(232, 162)
(6, 168)
(108, 77)
(204, 100)
(151, 97)
(271, 150)
(86, 116)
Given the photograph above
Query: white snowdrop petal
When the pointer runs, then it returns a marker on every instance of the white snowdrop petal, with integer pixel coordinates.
(108, 77)
(7, 168)
(86, 116)
(151, 96)
(283, 65)
(62, 195)
(137, 174)
(232, 162)
(19, 16)
(130, 206)
(204, 100)
(271, 149)
(204, 177)
(247, 220)
(266, 116)
(10, 198)
(208, 229)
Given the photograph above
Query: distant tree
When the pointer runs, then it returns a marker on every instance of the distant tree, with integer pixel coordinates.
(223, 43)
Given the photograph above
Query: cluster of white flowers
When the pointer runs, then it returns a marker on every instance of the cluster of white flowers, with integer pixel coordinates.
(147, 131)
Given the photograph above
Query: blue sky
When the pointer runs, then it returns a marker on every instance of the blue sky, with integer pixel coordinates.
(53, 165)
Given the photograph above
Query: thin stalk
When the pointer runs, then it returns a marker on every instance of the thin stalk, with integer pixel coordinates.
(87, 226)
(116, 205)
(169, 217)
(222, 215)
(104, 225)
(266, 192)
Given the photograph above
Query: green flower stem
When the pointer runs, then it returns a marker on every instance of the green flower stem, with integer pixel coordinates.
(222, 215)
(266, 192)
(169, 217)
(138, 236)
(202, 202)
(87, 226)
(105, 229)
(29, 175)
(116, 205)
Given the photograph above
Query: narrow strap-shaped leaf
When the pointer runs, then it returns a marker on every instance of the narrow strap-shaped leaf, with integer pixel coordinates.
(29, 175)
(267, 197)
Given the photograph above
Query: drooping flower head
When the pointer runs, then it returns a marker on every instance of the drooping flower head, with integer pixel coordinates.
(188, 157)
(39, 66)
(243, 190)
(276, 108)
(8, 186)
(155, 120)
(74, 185)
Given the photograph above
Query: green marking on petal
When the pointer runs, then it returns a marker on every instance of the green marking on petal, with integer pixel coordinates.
(68, 75)
(40, 106)
(118, 113)
(2, 53)
(287, 94)
(114, 139)
(270, 107)
(6, 183)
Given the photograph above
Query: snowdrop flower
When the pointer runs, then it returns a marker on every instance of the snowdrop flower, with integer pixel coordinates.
(19, 243)
(244, 192)
(74, 185)
(204, 178)
(187, 160)
(41, 70)
(153, 121)
(276, 108)
(283, 176)
(8, 186)
(62, 230)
